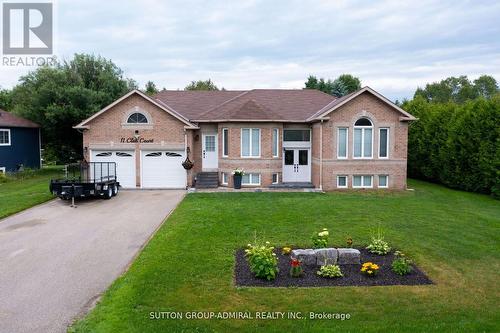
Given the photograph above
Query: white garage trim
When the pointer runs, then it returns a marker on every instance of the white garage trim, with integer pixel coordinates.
(163, 169)
(125, 164)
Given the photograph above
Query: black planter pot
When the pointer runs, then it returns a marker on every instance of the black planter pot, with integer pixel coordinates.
(237, 181)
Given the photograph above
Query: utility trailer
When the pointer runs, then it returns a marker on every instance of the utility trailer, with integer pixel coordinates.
(86, 179)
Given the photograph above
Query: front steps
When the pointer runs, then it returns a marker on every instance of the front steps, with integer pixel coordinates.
(207, 180)
(301, 185)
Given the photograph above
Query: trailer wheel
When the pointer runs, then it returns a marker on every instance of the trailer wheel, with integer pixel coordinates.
(115, 190)
(109, 193)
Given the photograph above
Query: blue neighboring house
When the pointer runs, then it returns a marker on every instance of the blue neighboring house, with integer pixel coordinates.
(19, 143)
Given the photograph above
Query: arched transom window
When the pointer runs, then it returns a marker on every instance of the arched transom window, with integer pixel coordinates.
(137, 118)
(363, 138)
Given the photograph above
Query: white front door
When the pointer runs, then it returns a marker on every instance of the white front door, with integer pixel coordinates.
(162, 169)
(209, 152)
(297, 165)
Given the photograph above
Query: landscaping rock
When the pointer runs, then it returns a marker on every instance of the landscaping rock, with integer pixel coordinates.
(307, 256)
(349, 256)
(327, 256)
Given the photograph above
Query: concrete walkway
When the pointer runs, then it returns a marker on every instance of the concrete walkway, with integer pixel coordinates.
(56, 260)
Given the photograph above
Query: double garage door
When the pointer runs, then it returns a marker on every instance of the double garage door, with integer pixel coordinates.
(159, 169)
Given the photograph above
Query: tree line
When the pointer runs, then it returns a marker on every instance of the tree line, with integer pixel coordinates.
(456, 140)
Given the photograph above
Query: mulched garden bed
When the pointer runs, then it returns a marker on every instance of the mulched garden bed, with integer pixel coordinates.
(352, 275)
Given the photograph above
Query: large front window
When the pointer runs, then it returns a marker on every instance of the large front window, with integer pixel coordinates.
(363, 138)
(250, 142)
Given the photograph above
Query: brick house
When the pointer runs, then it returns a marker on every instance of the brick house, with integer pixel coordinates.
(281, 138)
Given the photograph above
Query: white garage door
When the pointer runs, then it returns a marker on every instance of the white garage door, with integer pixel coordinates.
(162, 169)
(125, 164)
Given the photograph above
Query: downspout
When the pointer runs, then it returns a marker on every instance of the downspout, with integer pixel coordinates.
(321, 156)
(185, 154)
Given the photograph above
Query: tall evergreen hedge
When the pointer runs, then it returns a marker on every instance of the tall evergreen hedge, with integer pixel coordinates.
(457, 145)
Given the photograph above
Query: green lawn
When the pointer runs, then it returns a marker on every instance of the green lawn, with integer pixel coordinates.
(188, 266)
(17, 194)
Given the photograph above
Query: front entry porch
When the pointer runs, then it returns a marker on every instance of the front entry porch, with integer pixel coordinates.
(296, 157)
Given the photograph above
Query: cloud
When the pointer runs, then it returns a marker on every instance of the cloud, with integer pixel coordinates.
(393, 46)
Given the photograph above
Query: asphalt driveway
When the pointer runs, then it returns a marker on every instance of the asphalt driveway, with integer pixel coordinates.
(55, 260)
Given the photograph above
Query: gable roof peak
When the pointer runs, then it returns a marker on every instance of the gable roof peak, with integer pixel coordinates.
(160, 104)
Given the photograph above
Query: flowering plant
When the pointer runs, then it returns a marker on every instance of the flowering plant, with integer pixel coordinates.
(238, 172)
(296, 268)
(370, 269)
(401, 265)
(286, 250)
(349, 242)
(262, 260)
(320, 239)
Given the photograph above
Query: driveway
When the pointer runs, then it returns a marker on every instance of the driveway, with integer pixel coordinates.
(55, 260)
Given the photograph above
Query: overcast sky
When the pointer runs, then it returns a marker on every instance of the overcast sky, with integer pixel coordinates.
(393, 46)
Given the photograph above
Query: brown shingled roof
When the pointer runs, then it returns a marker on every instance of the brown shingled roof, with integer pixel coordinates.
(191, 103)
(257, 104)
(8, 119)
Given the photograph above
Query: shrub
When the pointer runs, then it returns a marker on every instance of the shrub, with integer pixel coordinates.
(262, 260)
(370, 269)
(330, 271)
(296, 268)
(401, 265)
(320, 239)
(378, 245)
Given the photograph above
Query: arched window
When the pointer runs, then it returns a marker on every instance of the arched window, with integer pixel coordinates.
(363, 138)
(137, 118)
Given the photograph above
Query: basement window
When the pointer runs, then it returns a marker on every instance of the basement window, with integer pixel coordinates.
(251, 179)
(341, 181)
(224, 179)
(276, 178)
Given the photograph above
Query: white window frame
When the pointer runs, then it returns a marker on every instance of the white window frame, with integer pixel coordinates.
(250, 142)
(225, 179)
(250, 177)
(277, 178)
(8, 136)
(386, 181)
(346, 181)
(388, 140)
(363, 131)
(277, 139)
(362, 181)
(225, 132)
(346, 143)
